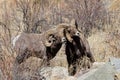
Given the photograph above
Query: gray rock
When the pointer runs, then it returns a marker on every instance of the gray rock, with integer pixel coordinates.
(116, 63)
(105, 72)
(56, 73)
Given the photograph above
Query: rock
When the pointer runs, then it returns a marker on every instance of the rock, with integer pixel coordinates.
(30, 76)
(116, 63)
(98, 64)
(56, 73)
(46, 72)
(104, 72)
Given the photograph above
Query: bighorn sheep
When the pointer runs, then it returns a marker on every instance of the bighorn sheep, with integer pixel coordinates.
(44, 45)
(77, 47)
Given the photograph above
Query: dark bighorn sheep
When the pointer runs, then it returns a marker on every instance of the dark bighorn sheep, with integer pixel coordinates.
(77, 47)
(44, 45)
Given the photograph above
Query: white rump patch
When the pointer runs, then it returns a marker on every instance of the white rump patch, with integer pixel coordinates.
(15, 39)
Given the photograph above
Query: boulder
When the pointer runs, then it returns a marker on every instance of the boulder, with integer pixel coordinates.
(116, 63)
(56, 73)
(104, 72)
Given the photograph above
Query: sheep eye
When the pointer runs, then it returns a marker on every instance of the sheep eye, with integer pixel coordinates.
(49, 41)
(54, 40)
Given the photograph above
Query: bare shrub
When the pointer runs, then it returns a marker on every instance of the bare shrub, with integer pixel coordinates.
(38, 15)
(27, 15)
(89, 14)
(6, 54)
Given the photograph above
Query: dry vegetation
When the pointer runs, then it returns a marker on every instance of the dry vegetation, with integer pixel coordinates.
(100, 25)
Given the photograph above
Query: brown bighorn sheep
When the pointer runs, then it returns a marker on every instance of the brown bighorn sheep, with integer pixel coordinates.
(44, 45)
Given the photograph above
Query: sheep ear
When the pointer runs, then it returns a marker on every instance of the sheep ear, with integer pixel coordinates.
(74, 23)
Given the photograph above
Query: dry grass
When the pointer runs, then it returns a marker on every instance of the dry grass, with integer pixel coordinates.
(105, 44)
(6, 64)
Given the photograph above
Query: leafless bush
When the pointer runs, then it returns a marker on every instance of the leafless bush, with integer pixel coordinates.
(27, 15)
(89, 14)
(39, 15)
(6, 54)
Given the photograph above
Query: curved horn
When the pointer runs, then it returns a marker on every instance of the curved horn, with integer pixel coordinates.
(62, 26)
(67, 35)
(51, 31)
(48, 37)
(48, 44)
(49, 40)
(48, 33)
